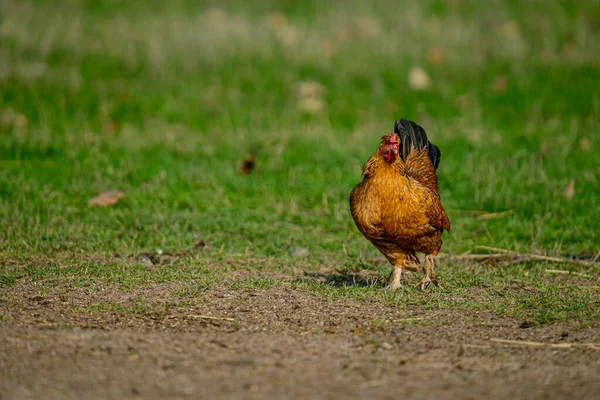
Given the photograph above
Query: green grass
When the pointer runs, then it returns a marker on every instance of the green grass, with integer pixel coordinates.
(164, 102)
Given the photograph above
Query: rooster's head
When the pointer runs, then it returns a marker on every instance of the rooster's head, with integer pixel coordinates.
(390, 147)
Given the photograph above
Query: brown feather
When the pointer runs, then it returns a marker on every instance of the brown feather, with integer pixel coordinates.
(398, 208)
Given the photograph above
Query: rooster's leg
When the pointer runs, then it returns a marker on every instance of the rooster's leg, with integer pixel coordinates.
(431, 262)
(396, 274)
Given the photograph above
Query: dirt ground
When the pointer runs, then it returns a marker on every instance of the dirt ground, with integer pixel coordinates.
(102, 342)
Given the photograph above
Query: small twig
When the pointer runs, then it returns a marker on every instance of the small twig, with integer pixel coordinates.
(495, 215)
(408, 319)
(374, 383)
(592, 346)
(345, 251)
(517, 261)
(477, 257)
(472, 212)
(512, 257)
(554, 259)
(596, 257)
(519, 342)
(494, 249)
(560, 271)
(480, 214)
(192, 316)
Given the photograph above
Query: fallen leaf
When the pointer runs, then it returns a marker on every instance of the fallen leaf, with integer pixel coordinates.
(110, 127)
(435, 56)
(369, 27)
(10, 118)
(541, 153)
(418, 79)
(309, 89)
(216, 16)
(105, 199)
(569, 50)
(277, 19)
(570, 190)
(247, 165)
(511, 31)
(300, 252)
(287, 35)
(585, 144)
(327, 48)
(311, 105)
(463, 101)
(31, 70)
(499, 85)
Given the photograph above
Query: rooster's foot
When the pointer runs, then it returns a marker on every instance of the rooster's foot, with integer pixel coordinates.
(394, 285)
(395, 278)
(426, 281)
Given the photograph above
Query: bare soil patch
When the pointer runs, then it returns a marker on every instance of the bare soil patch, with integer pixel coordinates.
(103, 342)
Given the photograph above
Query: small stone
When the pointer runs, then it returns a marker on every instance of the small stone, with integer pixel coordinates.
(418, 79)
(300, 252)
(386, 346)
(144, 259)
(526, 325)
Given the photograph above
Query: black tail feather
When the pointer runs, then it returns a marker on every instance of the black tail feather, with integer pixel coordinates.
(412, 136)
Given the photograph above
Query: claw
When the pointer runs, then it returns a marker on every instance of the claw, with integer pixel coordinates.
(434, 280)
(424, 282)
(395, 278)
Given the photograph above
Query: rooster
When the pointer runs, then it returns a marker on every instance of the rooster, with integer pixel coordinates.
(397, 205)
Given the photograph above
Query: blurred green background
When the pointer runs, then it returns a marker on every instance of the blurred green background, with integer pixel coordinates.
(164, 100)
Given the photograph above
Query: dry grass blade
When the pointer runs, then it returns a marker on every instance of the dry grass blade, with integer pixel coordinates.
(591, 346)
(510, 257)
(480, 214)
(494, 249)
(495, 215)
(194, 316)
(563, 272)
(470, 212)
(517, 342)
